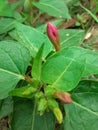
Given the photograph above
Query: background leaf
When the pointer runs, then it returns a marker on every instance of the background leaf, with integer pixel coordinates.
(71, 37)
(14, 59)
(6, 24)
(7, 9)
(84, 109)
(83, 55)
(6, 107)
(32, 39)
(54, 8)
(26, 118)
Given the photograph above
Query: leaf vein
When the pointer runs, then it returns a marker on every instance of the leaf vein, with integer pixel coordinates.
(11, 73)
(70, 37)
(83, 107)
(62, 73)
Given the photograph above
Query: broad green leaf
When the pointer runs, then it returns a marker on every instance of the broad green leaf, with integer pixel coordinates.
(36, 67)
(32, 39)
(19, 17)
(13, 35)
(54, 8)
(71, 37)
(81, 54)
(2, 37)
(64, 69)
(6, 24)
(25, 117)
(14, 59)
(87, 86)
(82, 114)
(5, 9)
(6, 107)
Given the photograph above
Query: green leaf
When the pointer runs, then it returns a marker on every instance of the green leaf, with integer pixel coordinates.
(71, 37)
(54, 8)
(13, 35)
(2, 37)
(32, 39)
(5, 9)
(81, 55)
(64, 69)
(6, 24)
(25, 117)
(87, 86)
(6, 107)
(36, 67)
(82, 114)
(19, 17)
(14, 59)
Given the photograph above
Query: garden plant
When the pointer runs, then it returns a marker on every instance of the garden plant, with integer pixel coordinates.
(48, 79)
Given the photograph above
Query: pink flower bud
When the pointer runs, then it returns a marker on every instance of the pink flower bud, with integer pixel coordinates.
(63, 96)
(53, 35)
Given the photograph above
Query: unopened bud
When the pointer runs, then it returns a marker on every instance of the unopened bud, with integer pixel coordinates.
(29, 91)
(58, 114)
(54, 106)
(63, 96)
(42, 105)
(53, 35)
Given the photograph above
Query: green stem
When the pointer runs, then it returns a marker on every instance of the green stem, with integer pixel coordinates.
(89, 12)
(36, 18)
(31, 12)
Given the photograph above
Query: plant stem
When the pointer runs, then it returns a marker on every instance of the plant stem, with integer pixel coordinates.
(89, 12)
(35, 19)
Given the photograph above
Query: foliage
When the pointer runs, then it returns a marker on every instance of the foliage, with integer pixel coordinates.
(42, 88)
